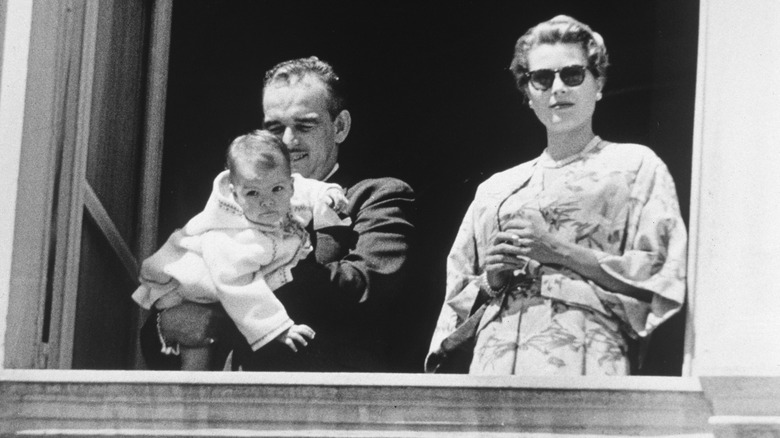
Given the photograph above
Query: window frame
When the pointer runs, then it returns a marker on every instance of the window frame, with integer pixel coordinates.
(18, 355)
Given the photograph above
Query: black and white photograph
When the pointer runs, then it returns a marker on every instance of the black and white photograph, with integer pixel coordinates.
(246, 218)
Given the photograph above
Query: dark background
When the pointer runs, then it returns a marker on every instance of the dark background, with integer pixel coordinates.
(432, 103)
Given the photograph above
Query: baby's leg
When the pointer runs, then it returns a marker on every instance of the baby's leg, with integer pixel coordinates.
(195, 358)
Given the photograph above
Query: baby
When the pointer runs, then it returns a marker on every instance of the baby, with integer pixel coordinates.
(242, 246)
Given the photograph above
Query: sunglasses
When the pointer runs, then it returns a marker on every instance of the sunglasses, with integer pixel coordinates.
(543, 79)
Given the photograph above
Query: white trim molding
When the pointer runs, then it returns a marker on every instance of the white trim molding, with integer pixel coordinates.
(13, 83)
(247, 404)
(348, 404)
(735, 237)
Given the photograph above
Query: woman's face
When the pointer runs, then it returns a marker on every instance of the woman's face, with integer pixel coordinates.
(562, 108)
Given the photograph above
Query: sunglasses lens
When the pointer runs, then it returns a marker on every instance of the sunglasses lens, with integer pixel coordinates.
(542, 79)
(573, 75)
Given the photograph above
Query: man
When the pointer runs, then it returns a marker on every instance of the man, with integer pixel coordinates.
(345, 290)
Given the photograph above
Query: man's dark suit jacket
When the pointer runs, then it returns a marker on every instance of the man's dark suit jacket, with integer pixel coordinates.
(369, 257)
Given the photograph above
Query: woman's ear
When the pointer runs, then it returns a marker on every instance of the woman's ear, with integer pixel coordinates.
(343, 123)
(599, 88)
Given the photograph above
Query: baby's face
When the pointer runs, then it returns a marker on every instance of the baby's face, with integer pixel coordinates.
(264, 195)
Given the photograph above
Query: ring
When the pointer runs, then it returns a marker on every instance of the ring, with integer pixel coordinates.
(210, 341)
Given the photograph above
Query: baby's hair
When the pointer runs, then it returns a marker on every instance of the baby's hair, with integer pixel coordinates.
(259, 147)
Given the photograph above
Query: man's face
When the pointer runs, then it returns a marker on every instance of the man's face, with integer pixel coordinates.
(297, 112)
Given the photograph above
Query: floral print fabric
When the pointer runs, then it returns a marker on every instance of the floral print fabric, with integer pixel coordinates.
(616, 199)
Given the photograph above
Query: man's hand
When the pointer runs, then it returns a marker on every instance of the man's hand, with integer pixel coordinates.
(193, 325)
(298, 333)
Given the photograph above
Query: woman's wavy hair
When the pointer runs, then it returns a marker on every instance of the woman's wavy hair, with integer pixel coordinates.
(561, 29)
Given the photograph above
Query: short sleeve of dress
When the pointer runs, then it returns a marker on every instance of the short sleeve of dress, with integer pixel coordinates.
(654, 258)
(465, 261)
(462, 281)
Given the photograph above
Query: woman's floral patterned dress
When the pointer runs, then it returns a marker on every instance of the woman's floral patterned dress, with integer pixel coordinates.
(616, 199)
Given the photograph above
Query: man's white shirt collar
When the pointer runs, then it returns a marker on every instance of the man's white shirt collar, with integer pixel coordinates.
(335, 168)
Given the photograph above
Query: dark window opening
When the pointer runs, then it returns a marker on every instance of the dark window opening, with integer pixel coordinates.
(432, 103)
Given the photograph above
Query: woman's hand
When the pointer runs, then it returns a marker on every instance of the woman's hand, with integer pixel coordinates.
(298, 333)
(535, 241)
(502, 257)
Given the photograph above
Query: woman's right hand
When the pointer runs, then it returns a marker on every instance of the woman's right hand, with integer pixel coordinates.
(502, 258)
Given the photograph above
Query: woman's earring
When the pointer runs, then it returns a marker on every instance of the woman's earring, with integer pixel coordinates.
(598, 95)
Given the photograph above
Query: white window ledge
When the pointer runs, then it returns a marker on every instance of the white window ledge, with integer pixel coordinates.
(147, 403)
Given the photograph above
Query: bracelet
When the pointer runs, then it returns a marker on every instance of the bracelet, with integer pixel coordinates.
(167, 349)
(485, 286)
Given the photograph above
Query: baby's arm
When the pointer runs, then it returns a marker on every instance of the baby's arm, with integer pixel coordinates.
(335, 198)
(298, 333)
(234, 262)
(314, 192)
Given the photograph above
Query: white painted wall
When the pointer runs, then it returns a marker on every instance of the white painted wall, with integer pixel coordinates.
(13, 81)
(735, 235)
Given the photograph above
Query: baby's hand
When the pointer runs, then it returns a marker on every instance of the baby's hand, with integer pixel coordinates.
(298, 333)
(336, 199)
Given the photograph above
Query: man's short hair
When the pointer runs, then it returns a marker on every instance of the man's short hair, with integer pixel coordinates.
(259, 147)
(298, 68)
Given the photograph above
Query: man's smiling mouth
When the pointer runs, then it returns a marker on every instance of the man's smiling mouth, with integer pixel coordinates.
(297, 156)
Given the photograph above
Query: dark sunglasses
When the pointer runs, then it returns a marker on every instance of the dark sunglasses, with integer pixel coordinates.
(542, 79)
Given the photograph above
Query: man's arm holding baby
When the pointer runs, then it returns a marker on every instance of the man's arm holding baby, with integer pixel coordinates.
(370, 253)
(235, 265)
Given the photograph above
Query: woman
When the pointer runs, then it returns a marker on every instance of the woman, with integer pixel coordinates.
(575, 250)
